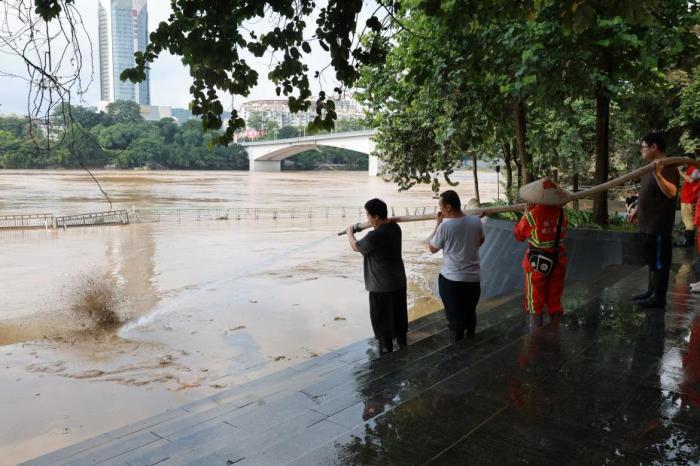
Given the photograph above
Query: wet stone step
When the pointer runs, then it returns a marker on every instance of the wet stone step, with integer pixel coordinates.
(352, 393)
(110, 450)
(380, 391)
(600, 450)
(397, 363)
(377, 367)
(359, 410)
(531, 439)
(223, 440)
(358, 447)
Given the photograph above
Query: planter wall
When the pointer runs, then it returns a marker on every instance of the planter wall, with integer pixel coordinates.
(588, 252)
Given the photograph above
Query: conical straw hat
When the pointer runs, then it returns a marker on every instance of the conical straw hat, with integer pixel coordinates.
(544, 191)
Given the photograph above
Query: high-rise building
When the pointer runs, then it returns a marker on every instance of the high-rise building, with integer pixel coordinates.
(123, 26)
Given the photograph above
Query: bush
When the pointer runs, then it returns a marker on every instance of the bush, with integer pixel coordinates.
(579, 219)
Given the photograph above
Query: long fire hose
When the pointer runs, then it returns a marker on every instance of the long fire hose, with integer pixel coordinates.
(633, 175)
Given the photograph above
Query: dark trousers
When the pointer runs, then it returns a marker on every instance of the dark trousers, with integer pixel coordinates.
(460, 300)
(657, 251)
(388, 312)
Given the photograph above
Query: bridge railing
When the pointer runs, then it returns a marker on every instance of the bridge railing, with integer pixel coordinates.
(307, 137)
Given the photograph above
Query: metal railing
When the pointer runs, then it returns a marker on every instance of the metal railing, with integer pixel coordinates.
(113, 217)
(261, 213)
(26, 221)
(198, 214)
(195, 214)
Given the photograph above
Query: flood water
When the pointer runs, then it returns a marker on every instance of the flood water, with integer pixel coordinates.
(205, 304)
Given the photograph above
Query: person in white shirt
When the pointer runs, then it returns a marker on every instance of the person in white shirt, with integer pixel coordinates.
(459, 237)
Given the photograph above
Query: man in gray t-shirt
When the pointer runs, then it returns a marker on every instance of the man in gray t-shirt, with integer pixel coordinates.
(459, 237)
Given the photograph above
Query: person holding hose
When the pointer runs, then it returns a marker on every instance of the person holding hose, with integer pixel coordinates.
(385, 276)
(655, 214)
(544, 228)
(459, 237)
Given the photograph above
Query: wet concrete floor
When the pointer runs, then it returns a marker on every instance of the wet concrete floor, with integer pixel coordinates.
(612, 384)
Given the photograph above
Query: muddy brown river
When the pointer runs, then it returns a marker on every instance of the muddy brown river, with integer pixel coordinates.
(202, 304)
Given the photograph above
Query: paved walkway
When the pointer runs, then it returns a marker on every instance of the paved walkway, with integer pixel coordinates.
(613, 384)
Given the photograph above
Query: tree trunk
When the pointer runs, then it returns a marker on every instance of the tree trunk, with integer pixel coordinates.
(602, 145)
(507, 157)
(575, 180)
(555, 169)
(518, 165)
(476, 178)
(521, 142)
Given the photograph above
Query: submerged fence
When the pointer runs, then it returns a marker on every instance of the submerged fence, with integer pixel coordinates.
(198, 214)
(262, 213)
(194, 214)
(113, 217)
(26, 221)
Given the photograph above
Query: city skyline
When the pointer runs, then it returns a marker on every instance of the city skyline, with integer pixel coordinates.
(172, 77)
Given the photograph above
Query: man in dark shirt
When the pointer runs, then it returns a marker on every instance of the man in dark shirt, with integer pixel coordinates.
(385, 277)
(656, 213)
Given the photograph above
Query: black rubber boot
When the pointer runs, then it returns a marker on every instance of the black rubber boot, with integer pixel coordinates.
(652, 303)
(647, 294)
(401, 340)
(455, 336)
(658, 297)
(386, 346)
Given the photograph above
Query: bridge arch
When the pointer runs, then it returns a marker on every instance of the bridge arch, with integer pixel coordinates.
(268, 155)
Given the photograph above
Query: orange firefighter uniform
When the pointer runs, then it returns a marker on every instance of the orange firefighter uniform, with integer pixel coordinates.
(539, 227)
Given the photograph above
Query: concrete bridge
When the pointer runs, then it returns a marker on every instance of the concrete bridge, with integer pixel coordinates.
(267, 156)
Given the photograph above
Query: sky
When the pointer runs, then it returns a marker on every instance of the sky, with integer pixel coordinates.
(170, 79)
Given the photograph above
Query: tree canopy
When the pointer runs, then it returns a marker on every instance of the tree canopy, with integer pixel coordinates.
(537, 86)
(120, 138)
(540, 82)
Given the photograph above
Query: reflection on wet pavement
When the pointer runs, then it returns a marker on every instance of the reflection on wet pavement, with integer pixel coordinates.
(610, 384)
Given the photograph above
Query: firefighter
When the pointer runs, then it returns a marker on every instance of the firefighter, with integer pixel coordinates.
(544, 227)
(688, 198)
